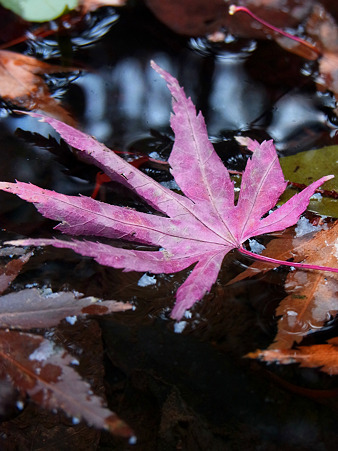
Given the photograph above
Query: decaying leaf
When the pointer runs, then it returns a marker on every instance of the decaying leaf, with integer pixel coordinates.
(33, 308)
(313, 295)
(9, 271)
(200, 227)
(304, 167)
(22, 85)
(321, 43)
(324, 357)
(36, 366)
(200, 17)
(323, 29)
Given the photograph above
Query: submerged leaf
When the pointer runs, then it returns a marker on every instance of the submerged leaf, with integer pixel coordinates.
(33, 308)
(199, 228)
(37, 367)
(304, 167)
(9, 271)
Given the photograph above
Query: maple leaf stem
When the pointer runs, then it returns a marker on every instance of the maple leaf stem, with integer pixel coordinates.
(234, 9)
(285, 263)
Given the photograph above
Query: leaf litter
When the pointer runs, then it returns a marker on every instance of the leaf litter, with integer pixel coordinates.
(36, 365)
(42, 370)
(199, 227)
(311, 300)
(34, 308)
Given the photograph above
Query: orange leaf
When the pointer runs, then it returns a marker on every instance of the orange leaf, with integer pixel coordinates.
(324, 356)
(21, 85)
(312, 295)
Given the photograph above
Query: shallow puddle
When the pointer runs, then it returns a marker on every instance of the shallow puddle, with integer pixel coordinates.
(180, 386)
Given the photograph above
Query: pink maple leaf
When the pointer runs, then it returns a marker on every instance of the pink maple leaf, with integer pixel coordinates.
(199, 227)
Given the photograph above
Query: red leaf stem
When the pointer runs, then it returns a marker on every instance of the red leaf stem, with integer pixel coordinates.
(274, 261)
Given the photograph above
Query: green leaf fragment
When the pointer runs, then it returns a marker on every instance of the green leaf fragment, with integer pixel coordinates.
(304, 168)
(39, 10)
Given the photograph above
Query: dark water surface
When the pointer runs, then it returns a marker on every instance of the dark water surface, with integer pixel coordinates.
(191, 390)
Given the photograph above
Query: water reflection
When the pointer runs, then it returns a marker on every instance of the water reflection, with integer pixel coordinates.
(293, 114)
(236, 100)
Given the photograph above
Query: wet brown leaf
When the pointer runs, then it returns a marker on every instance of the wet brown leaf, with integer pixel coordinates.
(37, 367)
(201, 17)
(33, 308)
(9, 271)
(323, 356)
(21, 85)
(313, 295)
(322, 29)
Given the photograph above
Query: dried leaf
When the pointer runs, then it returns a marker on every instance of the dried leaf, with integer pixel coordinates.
(313, 295)
(21, 85)
(200, 227)
(323, 356)
(37, 367)
(33, 308)
(9, 271)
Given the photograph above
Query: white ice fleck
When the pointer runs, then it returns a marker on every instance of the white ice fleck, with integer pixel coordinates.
(71, 319)
(43, 352)
(146, 280)
(179, 327)
(187, 314)
(75, 362)
(304, 226)
(132, 440)
(316, 196)
(154, 155)
(19, 405)
(75, 420)
(292, 313)
(31, 285)
(256, 247)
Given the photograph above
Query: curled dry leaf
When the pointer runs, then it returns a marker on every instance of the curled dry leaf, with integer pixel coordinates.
(21, 84)
(324, 356)
(33, 308)
(35, 366)
(199, 227)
